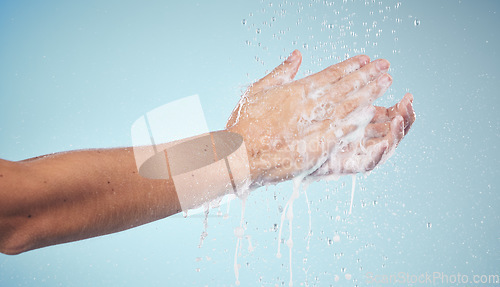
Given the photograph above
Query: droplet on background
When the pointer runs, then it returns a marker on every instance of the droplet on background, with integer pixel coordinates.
(336, 238)
(416, 22)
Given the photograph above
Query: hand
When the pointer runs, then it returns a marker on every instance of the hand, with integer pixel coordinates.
(292, 127)
(382, 136)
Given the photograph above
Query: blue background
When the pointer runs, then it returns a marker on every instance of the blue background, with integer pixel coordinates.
(76, 75)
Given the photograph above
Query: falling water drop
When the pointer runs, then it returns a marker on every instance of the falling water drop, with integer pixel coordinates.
(416, 22)
(244, 21)
(429, 225)
(336, 238)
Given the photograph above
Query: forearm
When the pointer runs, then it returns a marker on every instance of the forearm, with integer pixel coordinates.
(76, 195)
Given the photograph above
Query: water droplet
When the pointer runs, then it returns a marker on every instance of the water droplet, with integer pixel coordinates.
(429, 225)
(336, 238)
(416, 22)
(244, 21)
(305, 46)
(257, 31)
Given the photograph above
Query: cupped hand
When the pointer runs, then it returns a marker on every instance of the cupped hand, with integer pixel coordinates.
(302, 127)
(381, 137)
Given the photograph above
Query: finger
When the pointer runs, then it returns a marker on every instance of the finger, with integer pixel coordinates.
(381, 115)
(353, 161)
(403, 108)
(282, 74)
(364, 96)
(367, 160)
(356, 80)
(377, 130)
(336, 72)
(376, 151)
(394, 137)
(409, 116)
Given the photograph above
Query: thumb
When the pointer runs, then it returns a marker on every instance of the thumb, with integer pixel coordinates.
(282, 74)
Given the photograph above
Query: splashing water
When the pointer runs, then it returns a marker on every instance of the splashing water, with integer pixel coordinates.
(288, 210)
(352, 192)
(239, 232)
(326, 40)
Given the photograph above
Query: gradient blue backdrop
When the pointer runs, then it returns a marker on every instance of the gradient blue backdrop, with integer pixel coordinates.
(76, 75)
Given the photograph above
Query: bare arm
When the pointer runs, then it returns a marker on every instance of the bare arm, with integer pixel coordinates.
(76, 195)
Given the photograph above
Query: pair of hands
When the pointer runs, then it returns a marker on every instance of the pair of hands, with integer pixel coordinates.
(322, 125)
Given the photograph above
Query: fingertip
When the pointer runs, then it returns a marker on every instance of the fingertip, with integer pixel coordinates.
(385, 80)
(363, 59)
(409, 96)
(383, 65)
(294, 56)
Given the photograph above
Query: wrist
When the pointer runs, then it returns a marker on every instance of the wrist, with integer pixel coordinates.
(250, 155)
